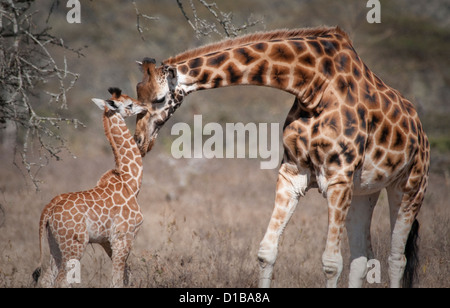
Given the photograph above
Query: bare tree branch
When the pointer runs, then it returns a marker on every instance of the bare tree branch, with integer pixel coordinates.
(27, 61)
(139, 15)
(221, 20)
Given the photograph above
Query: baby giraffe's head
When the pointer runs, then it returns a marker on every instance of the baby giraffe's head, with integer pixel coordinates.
(120, 103)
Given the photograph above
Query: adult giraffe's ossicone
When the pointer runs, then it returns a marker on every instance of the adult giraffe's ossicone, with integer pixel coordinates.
(347, 133)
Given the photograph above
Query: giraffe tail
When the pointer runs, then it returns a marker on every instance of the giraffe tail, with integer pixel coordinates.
(411, 254)
(412, 245)
(42, 228)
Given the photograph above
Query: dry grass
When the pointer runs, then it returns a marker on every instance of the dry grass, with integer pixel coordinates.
(204, 220)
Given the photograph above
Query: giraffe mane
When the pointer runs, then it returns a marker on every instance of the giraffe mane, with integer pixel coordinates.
(254, 38)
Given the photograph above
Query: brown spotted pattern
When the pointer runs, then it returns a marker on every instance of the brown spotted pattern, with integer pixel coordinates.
(348, 133)
(108, 214)
(157, 114)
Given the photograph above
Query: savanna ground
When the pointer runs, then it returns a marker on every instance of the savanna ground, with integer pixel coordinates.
(204, 218)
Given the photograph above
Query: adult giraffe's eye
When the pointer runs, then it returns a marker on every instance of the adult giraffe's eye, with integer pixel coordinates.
(129, 106)
(159, 101)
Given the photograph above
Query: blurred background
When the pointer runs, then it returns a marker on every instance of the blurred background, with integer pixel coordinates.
(203, 218)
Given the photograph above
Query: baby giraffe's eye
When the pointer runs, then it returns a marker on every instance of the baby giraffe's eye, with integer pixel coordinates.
(129, 106)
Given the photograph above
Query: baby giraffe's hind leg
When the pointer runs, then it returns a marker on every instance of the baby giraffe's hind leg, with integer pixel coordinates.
(121, 248)
(49, 277)
(71, 248)
(63, 279)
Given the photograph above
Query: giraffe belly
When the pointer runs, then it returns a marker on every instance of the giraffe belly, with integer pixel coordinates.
(99, 229)
(369, 181)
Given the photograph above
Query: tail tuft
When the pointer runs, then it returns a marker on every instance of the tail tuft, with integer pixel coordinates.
(412, 256)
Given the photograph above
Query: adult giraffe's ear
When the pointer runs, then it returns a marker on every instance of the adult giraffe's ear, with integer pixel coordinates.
(139, 63)
(171, 77)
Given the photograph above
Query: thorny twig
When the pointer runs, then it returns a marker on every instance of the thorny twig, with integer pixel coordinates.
(219, 22)
(138, 20)
(26, 61)
(204, 27)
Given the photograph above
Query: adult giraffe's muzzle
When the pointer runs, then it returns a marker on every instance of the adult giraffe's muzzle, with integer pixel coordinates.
(144, 135)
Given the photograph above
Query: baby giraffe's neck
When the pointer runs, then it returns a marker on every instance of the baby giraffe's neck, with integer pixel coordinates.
(126, 153)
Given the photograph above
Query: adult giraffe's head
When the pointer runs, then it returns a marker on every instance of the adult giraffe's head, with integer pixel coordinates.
(156, 92)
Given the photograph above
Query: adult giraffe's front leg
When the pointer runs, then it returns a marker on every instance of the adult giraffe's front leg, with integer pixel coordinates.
(339, 197)
(291, 185)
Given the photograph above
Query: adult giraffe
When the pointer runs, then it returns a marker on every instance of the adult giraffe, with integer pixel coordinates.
(348, 134)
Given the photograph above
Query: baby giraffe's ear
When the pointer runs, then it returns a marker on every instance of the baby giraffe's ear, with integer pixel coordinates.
(100, 103)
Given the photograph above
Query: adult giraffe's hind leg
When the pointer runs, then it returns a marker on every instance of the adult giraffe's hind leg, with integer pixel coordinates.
(291, 185)
(358, 221)
(403, 209)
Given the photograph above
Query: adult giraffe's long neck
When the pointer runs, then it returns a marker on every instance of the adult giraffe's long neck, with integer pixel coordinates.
(126, 153)
(301, 62)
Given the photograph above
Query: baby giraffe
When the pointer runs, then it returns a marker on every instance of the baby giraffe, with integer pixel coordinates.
(109, 213)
